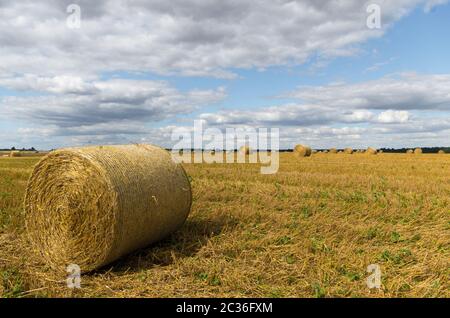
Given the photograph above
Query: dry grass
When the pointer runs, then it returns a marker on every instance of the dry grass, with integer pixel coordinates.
(310, 230)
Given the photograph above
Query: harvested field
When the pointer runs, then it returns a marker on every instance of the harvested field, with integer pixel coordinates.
(310, 230)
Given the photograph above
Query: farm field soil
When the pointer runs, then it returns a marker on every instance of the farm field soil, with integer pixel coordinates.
(311, 230)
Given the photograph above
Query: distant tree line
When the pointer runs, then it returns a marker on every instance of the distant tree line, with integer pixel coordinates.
(425, 150)
(14, 148)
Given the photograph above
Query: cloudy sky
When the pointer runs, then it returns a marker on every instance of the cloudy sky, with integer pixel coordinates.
(133, 71)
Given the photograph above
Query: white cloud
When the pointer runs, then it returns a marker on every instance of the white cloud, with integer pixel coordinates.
(404, 92)
(188, 37)
(433, 3)
(392, 116)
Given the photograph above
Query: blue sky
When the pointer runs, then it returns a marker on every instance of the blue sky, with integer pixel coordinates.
(136, 72)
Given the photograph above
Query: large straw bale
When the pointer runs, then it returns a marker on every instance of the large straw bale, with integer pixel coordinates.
(245, 150)
(348, 151)
(302, 151)
(90, 206)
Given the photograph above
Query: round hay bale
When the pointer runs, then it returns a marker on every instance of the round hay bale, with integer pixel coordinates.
(333, 150)
(371, 151)
(245, 150)
(90, 206)
(441, 152)
(302, 151)
(348, 151)
(15, 154)
(418, 151)
(409, 151)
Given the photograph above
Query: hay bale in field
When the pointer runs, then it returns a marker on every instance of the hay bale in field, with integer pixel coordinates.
(245, 150)
(418, 151)
(15, 154)
(371, 151)
(409, 151)
(333, 150)
(348, 151)
(302, 151)
(441, 152)
(90, 206)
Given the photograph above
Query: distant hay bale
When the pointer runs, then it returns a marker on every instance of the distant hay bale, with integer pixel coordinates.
(15, 154)
(371, 151)
(302, 151)
(410, 151)
(245, 150)
(333, 150)
(90, 206)
(348, 151)
(441, 152)
(418, 151)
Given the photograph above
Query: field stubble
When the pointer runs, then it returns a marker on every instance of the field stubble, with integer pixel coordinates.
(310, 230)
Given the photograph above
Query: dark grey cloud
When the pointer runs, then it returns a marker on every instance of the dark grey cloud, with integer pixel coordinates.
(76, 105)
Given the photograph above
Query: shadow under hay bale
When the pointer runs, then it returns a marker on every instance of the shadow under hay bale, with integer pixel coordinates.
(186, 242)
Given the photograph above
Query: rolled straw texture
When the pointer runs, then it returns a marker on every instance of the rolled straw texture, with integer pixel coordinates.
(90, 206)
